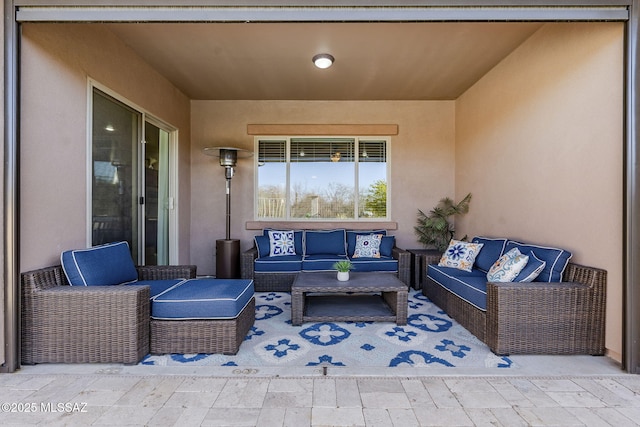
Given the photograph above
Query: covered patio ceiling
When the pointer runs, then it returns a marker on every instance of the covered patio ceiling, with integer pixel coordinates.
(373, 61)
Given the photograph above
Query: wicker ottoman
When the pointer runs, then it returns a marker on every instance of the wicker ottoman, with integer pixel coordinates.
(202, 316)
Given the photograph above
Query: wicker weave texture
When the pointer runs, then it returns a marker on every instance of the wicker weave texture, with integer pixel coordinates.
(97, 324)
(202, 336)
(549, 318)
(93, 324)
(404, 265)
(164, 272)
(264, 282)
(535, 318)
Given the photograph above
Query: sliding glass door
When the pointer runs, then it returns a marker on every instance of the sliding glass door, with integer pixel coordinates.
(156, 200)
(130, 180)
(114, 189)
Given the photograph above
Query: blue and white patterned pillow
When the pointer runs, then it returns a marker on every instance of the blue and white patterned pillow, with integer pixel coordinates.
(507, 267)
(367, 246)
(460, 255)
(281, 243)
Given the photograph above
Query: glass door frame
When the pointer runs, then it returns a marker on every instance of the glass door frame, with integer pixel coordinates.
(145, 117)
(172, 199)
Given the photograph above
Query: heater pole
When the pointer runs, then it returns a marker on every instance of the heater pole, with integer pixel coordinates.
(228, 176)
(227, 250)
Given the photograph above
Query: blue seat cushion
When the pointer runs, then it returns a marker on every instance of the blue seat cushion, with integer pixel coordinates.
(278, 264)
(556, 259)
(321, 262)
(319, 242)
(203, 299)
(492, 249)
(351, 238)
(384, 263)
(156, 287)
(470, 286)
(109, 264)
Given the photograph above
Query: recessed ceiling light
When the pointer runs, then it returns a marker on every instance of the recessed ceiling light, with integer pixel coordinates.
(323, 60)
(109, 128)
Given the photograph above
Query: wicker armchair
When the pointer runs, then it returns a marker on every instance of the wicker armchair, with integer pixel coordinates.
(281, 282)
(93, 324)
(535, 318)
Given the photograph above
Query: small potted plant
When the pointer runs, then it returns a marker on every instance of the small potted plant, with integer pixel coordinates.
(343, 268)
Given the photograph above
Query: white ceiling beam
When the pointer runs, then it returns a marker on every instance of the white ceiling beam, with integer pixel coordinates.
(316, 14)
(327, 3)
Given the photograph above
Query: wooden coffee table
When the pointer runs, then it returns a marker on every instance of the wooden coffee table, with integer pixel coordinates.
(365, 297)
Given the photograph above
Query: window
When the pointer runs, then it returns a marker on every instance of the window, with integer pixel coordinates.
(328, 178)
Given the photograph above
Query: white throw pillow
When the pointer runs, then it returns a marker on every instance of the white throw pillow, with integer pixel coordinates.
(507, 267)
(460, 255)
(281, 243)
(367, 246)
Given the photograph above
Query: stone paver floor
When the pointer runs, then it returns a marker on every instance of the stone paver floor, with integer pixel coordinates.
(123, 396)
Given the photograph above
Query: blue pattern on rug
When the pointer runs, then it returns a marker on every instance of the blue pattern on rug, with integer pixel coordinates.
(430, 338)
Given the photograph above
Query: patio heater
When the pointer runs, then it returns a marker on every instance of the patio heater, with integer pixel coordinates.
(228, 249)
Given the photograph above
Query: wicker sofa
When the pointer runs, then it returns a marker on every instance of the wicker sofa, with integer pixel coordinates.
(552, 316)
(311, 255)
(88, 324)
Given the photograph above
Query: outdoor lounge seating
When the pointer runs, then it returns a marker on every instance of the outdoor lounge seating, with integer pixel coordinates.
(318, 250)
(99, 307)
(202, 316)
(88, 324)
(559, 311)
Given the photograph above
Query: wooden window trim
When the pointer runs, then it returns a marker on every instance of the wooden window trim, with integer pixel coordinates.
(322, 129)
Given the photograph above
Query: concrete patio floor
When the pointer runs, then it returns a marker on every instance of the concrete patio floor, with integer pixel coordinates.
(544, 390)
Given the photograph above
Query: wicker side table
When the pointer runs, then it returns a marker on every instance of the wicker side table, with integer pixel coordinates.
(420, 259)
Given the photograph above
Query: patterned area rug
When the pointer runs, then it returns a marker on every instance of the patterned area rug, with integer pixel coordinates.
(430, 338)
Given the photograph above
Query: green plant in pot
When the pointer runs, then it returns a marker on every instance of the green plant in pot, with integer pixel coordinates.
(435, 229)
(343, 268)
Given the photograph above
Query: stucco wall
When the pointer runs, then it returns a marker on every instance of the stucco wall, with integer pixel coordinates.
(56, 62)
(539, 143)
(422, 160)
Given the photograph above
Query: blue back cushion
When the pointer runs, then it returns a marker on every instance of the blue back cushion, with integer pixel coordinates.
(556, 259)
(262, 243)
(532, 270)
(490, 252)
(386, 246)
(109, 264)
(297, 240)
(325, 242)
